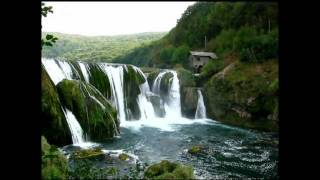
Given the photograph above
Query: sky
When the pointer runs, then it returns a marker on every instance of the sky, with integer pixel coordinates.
(112, 18)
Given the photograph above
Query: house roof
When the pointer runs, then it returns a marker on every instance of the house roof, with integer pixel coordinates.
(207, 54)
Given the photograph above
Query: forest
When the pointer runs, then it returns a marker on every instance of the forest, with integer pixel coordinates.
(248, 30)
(95, 48)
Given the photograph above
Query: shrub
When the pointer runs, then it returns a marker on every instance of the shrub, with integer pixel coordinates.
(212, 67)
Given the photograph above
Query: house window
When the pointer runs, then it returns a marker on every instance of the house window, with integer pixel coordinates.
(198, 58)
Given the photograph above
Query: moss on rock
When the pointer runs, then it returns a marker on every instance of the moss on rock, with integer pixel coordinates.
(94, 112)
(54, 124)
(245, 95)
(166, 169)
(195, 149)
(95, 153)
(123, 156)
(99, 79)
(188, 92)
(132, 80)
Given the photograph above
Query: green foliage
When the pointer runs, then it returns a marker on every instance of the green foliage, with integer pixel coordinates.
(186, 78)
(97, 48)
(245, 28)
(180, 55)
(166, 169)
(245, 94)
(45, 10)
(255, 47)
(49, 39)
(94, 112)
(211, 68)
(54, 124)
(54, 164)
(85, 169)
(166, 54)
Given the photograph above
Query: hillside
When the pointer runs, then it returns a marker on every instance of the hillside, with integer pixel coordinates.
(96, 48)
(247, 29)
(241, 86)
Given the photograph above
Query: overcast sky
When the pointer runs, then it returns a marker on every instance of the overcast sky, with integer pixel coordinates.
(112, 18)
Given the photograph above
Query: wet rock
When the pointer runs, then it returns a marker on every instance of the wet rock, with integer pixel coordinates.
(195, 149)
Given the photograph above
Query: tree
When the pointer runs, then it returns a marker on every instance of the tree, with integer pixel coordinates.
(50, 39)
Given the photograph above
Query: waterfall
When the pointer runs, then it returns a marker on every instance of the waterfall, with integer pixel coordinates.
(173, 107)
(84, 71)
(172, 102)
(55, 72)
(115, 76)
(74, 126)
(201, 108)
(145, 106)
(166, 104)
(157, 82)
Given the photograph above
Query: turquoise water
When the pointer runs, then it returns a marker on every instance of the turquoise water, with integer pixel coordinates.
(228, 152)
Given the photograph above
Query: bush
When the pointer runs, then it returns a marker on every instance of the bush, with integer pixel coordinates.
(255, 47)
(212, 67)
(54, 163)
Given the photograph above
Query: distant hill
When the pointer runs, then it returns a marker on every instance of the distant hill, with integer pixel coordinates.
(96, 48)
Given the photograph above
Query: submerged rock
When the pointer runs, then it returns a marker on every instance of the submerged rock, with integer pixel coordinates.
(96, 115)
(95, 153)
(123, 157)
(54, 124)
(166, 169)
(195, 149)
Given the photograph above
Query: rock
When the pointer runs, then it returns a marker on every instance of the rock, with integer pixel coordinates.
(92, 154)
(189, 101)
(123, 157)
(157, 105)
(99, 79)
(96, 115)
(131, 87)
(239, 95)
(195, 149)
(166, 169)
(188, 91)
(54, 124)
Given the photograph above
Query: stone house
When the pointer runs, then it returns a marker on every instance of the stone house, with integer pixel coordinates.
(198, 59)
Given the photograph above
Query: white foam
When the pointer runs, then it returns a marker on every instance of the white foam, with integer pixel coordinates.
(163, 124)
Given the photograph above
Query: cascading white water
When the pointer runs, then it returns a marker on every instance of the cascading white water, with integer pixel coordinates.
(172, 103)
(115, 76)
(145, 106)
(75, 128)
(173, 106)
(157, 82)
(66, 69)
(55, 72)
(84, 71)
(201, 108)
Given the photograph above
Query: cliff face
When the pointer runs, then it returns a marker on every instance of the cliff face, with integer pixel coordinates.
(245, 95)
